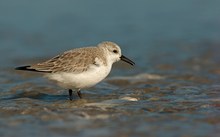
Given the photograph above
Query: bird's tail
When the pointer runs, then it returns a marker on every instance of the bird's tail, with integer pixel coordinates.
(27, 68)
(22, 68)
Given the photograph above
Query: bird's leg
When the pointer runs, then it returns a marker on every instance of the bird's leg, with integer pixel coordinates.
(70, 94)
(79, 93)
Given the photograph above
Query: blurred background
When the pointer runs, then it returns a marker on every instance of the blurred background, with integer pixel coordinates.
(175, 44)
(144, 29)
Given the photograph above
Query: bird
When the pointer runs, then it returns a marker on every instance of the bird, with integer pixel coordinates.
(80, 68)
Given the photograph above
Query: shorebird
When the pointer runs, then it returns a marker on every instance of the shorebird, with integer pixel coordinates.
(80, 68)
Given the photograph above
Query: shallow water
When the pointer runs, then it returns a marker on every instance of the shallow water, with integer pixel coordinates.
(173, 90)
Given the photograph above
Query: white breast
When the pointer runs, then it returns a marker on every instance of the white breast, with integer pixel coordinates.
(86, 79)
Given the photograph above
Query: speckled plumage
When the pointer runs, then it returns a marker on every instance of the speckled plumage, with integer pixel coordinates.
(75, 61)
(80, 68)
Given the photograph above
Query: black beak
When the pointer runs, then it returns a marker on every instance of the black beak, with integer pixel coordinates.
(125, 59)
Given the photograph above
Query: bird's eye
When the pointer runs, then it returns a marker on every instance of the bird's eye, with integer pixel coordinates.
(115, 51)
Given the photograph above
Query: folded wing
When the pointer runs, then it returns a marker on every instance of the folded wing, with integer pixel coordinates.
(74, 61)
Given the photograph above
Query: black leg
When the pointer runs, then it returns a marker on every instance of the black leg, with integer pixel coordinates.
(70, 94)
(79, 93)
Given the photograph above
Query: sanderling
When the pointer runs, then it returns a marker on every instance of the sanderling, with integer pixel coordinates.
(80, 68)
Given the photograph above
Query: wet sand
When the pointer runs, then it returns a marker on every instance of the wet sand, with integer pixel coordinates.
(172, 91)
(143, 104)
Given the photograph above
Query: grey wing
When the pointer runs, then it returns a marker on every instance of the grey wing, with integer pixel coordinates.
(70, 61)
